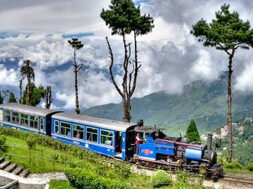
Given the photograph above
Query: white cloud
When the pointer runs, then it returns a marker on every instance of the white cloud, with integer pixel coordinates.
(8, 76)
(244, 80)
(171, 57)
(203, 68)
(51, 16)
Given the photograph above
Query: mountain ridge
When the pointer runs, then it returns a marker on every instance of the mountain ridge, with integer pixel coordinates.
(206, 102)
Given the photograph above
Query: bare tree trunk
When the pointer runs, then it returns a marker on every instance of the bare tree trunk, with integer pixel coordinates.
(28, 102)
(20, 91)
(126, 103)
(229, 116)
(126, 108)
(76, 83)
(129, 78)
(48, 97)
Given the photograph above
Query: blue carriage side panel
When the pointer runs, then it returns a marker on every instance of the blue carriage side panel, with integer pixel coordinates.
(165, 148)
(96, 147)
(193, 153)
(150, 148)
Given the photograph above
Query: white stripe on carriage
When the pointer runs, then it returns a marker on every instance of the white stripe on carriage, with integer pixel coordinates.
(83, 141)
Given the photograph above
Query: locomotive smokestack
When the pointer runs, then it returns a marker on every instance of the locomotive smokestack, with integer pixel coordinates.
(209, 141)
(140, 122)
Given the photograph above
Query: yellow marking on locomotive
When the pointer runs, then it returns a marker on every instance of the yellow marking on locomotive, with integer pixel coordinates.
(202, 170)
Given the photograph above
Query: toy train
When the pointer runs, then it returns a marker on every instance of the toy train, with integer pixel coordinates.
(114, 138)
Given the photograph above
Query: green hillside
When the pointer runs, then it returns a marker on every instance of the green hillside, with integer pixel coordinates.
(204, 102)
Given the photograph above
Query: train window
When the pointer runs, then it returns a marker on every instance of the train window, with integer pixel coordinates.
(106, 137)
(24, 120)
(41, 123)
(65, 129)
(34, 122)
(7, 116)
(92, 135)
(77, 131)
(56, 127)
(15, 118)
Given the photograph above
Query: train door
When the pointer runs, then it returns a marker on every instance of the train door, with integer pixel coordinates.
(118, 142)
(48, 125)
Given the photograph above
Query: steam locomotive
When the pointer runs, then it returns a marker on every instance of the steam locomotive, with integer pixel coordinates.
(114, 138)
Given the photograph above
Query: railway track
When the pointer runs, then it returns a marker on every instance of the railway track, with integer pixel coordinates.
(244, 179)
(229, 181)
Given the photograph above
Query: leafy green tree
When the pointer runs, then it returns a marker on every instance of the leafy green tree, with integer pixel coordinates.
(227, 33)
(12, 98)
(192, 132)
(124, 18)
(1, 98)
(37, 93)
(28, 72)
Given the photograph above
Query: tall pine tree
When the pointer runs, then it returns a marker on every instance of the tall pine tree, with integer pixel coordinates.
(192, 132)
(227, 33)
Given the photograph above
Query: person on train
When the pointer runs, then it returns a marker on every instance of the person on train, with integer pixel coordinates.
(138, 141)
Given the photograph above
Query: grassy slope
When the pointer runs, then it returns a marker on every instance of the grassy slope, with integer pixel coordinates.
(41, 157)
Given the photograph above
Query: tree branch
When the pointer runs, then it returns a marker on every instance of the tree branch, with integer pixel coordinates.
(130, 79)
(223, 48)
(126, 61)
(137, 67)
(110, 68)
(79, 67)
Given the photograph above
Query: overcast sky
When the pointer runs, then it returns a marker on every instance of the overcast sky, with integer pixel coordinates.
(170, 56)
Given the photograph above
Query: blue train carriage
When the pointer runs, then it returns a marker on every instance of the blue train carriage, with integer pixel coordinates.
(107, 137)
(26, 118)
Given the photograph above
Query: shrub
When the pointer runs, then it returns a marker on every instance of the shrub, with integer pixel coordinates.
(250, 167)
(160, 178)
(3, 146)
(88, 179)
(233, 165)
(31, 142)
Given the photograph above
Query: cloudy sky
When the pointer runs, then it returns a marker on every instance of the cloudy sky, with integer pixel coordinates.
(170, 56)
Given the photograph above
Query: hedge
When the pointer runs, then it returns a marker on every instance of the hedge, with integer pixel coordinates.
(233, 165)
(160, 178)
(88, 179)
(250, 167)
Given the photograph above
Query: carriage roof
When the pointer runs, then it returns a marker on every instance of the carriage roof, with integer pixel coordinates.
(27, 109)
(94, 121)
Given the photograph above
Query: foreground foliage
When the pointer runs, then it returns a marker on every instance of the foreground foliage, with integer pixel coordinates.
(160, 178)
(3, 146)
(90, 179)
(60, 184)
